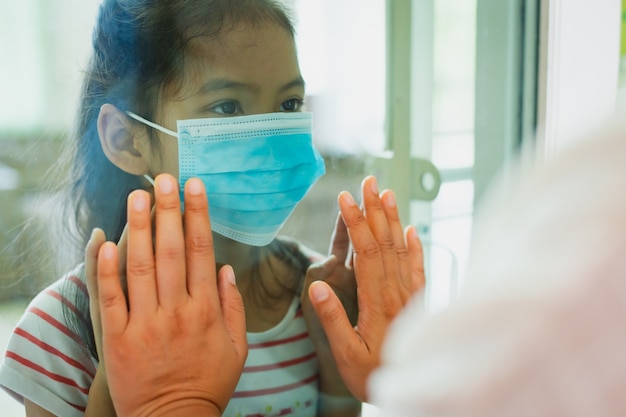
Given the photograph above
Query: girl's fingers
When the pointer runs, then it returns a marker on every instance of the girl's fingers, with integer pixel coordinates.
(113, 308)
(140, 268)
(233, 310)
(340, 241)
(331, 314)
(322, 270)
(91, 262)
(200, 256)
(122, 250)
(170, 244)
(351, 353)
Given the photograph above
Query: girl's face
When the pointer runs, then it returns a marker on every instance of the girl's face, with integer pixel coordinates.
(247, 71)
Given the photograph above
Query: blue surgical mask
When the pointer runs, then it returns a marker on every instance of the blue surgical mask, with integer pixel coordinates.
(256, 169)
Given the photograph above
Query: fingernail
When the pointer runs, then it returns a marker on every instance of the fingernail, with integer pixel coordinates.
(230, 274)
(107, 250)
(374, 185)
(139, 201)
(92, 236)
(412, 232)
(165, 184)
(390, 198)
(318, 291)
(347, 198)
(194, 185)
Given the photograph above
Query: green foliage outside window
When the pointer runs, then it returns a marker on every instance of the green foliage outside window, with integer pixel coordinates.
(623, 47)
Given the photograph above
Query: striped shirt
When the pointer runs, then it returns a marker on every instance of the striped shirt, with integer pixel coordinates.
(49, 365)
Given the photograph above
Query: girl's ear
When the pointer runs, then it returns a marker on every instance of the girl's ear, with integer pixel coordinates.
(120, 140)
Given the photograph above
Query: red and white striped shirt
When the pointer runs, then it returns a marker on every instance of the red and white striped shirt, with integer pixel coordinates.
(49, 365)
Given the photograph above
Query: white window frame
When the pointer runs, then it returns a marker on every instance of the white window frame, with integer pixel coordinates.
(579, 70)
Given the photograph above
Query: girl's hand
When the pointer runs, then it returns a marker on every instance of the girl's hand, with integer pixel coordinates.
(389, 269)
(96, 240)
(179, 345)
(99, 402)
(337, 272)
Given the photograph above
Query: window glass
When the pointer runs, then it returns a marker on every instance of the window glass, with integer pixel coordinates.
(342, 57)
(454, 79)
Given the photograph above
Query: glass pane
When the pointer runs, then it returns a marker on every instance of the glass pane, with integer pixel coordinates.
(342, 57)
(446, 222)
(454, 83)
(342, 54)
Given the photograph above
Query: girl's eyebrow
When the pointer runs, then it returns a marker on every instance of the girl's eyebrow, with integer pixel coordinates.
(218, 84)
(297, 83)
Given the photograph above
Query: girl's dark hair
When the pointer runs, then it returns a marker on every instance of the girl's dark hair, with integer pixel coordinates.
(139, 49)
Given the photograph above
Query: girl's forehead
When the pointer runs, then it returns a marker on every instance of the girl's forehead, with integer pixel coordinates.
(244, 42)
(263, 55)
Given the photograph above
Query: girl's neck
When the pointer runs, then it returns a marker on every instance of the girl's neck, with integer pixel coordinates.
(243, 258)
(260, 282)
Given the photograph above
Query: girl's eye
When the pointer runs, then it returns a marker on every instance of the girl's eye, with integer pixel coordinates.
(293, 104)
(227, 107)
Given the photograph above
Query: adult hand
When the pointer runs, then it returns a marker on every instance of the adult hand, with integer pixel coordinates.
(178, 346)
(389, 269)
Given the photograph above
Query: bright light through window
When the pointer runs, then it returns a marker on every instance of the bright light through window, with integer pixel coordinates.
(342, 56)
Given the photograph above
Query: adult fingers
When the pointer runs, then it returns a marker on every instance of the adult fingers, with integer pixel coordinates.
(199, 251)
(140, 267)
(113, 308)
(368, 265)
(170, 244)
(416, 259)
(233, 311)
(402, 257)
(380, 227)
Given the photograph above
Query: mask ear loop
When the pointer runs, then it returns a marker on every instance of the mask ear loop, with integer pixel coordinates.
(149, 179)
(155, 126)
(152, 124)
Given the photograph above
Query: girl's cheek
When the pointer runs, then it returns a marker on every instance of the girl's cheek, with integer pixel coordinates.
(167, 161)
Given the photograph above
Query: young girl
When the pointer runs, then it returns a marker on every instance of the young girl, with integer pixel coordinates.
(161, 71)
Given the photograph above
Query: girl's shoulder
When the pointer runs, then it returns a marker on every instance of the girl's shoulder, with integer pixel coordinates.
(45, 360)
(66, 287)
(55, 303)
